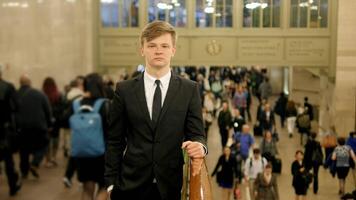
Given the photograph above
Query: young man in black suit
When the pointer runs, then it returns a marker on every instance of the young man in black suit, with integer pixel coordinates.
(153, 117)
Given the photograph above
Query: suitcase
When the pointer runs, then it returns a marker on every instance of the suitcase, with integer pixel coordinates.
(277, 166)
(257, 130)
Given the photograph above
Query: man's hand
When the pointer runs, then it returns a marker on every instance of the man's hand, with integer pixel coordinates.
(194, 149)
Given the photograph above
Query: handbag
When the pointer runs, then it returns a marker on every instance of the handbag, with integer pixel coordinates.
(308, 178)
(329, 141)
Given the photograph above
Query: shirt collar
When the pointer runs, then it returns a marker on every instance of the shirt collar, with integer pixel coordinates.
(164, 79)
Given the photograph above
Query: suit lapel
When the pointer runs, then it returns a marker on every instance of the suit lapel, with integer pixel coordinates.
(141, 97)
(172, 91)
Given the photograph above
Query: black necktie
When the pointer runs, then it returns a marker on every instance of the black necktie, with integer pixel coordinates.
(157, 102)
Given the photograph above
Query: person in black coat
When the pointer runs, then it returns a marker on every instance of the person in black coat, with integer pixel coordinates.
(8, 106)
(267, 119)
(298, 171)
(34, 120)
(310, 108)
(227, 173)
(152, 118)
(280, 108)
(224, 123)
(313, 158)
(237, 121)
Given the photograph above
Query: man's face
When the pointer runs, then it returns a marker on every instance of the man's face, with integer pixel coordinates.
(159, 51)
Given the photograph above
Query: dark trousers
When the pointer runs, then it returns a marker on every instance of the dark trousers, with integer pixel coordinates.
(248, 113)
(224, 136)
(316, 181)
(71, 168)
(149, 191)
(328, 151)
(315, 166)
(283, 119)
(12, 175)
(37, 158)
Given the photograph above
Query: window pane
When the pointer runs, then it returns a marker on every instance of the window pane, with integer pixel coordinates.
(324, 13)
(125, 14)
(276, 13)
(219, 13)
(228, 13)
(247, 15)
(134, 13)
(256, 17)
(109, 13)
(266, 8)
(178, 14)
(294, 13)
(314, 13)
(213, 13)
(261, 13)
(173, 11)
(303, 16)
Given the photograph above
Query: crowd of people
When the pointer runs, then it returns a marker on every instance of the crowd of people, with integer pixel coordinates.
(31, 121)
(227, 95)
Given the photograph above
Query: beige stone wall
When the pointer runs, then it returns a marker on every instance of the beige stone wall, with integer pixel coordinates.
(46, 38)
(345, 87)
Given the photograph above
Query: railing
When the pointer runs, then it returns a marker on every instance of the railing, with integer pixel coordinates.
(195, 187)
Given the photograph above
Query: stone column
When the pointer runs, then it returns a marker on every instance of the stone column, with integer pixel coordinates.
(344, 96)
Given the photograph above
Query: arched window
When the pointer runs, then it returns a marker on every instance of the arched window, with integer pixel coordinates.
(172, 11)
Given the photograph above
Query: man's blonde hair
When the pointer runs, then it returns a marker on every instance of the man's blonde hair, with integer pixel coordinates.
(156, 29)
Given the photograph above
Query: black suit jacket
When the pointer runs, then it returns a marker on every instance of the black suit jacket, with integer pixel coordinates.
(137, 150)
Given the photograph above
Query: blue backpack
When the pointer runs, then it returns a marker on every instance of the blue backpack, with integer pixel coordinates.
(87, 130)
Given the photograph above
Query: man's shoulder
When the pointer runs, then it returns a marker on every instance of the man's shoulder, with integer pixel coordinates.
(126, 84)
(186, 82)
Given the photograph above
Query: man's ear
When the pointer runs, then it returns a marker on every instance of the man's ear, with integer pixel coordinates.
(173, 51)
(141, 50)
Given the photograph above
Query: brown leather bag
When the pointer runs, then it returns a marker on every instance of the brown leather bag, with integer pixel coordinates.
(329, 141)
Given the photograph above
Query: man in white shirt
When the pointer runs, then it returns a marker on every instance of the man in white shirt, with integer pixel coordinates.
(253, 166)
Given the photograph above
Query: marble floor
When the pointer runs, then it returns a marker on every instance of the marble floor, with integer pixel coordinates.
(50, 186)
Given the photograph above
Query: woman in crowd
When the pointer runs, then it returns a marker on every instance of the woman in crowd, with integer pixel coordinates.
(91, 169)
(57, 104)
(266, 187)
(268, 147)
(300, 182)
(225, 175)
(344, 156)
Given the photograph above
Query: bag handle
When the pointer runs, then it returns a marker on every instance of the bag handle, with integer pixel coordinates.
(76, 105)
(97, 104)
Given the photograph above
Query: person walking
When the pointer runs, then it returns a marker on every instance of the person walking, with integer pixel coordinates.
(265, 186)
(226, 171)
